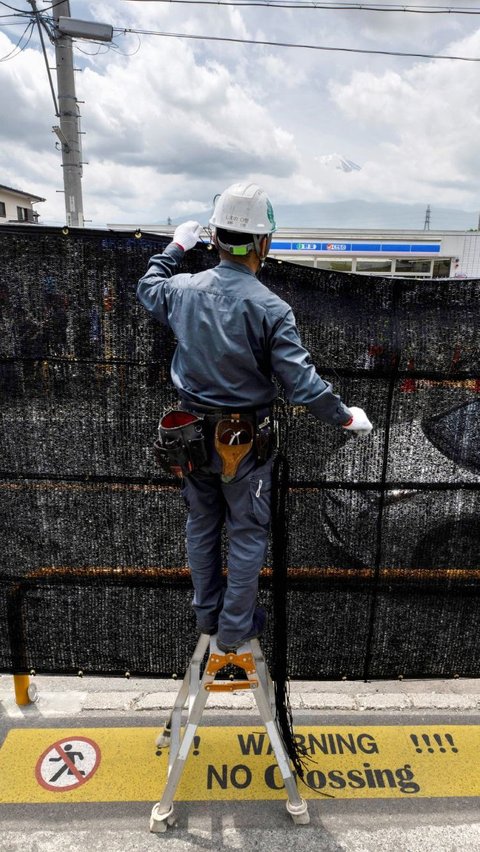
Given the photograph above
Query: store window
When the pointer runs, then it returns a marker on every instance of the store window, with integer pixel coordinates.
(299, 261)
(374, 266)
(441, 268)
(336, 265)
(413, 267)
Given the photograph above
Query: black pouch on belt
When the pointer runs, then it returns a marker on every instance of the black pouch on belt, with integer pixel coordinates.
(180, 447)
(264, 436)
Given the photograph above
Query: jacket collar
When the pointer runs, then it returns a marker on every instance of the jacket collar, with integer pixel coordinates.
(237, 267)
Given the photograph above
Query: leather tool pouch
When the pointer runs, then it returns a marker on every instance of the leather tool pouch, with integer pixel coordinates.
(180, 448)
(233, 440)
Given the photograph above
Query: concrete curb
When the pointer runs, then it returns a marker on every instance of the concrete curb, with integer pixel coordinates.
(141, 697)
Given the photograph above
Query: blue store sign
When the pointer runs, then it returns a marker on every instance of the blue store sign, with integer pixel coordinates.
(346, 248)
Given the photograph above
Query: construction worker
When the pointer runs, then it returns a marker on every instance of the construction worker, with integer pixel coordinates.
(233, 336)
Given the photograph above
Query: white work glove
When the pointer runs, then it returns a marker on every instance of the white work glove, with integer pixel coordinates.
(186, 236)
(360, 422)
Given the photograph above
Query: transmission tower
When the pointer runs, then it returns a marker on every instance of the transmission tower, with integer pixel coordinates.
(426, 224)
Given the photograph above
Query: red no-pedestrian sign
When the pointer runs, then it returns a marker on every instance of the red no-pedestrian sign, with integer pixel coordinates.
(67, 764)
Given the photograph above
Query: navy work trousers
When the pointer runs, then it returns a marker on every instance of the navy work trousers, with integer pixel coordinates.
(244, 506)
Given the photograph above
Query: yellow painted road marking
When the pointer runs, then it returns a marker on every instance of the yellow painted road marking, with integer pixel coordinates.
(226, 763)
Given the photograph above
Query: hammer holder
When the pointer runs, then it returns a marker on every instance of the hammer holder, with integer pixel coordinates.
(233, 440)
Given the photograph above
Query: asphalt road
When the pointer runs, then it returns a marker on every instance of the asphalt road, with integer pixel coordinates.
(418, 824)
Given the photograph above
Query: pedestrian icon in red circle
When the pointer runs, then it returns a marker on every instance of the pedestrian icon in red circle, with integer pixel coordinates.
(67, 764)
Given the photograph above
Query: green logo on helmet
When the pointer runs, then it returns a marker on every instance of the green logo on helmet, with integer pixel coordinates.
(271, 217)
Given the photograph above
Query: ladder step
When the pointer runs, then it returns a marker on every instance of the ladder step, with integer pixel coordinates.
(232, 686)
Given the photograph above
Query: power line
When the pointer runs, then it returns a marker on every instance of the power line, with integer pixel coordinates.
(298, 46)
(321, 4)
(25, 13)
(17, 49)
(41, 23)
(7, 6)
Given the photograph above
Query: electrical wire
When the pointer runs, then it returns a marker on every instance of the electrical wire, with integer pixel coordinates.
(321, 4)
(16, 50)
(99, 50)
(41, 23)
(104, 48)
(314, 5)
(117, 49)
(23, 13)
(20, 11)
(299, 46)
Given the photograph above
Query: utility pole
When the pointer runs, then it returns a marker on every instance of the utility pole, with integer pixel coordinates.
(426, 225)
(68, 132)
(66, 106)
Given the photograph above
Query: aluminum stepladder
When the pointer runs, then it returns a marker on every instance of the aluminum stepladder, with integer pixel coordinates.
(192, 698)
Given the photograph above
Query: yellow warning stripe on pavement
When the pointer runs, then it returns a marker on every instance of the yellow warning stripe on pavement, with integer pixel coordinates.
(237, 763)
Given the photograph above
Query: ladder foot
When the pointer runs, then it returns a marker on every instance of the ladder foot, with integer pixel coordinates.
(159, 821)
(299, 813)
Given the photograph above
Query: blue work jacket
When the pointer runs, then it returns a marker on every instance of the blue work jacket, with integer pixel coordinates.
(233, 335)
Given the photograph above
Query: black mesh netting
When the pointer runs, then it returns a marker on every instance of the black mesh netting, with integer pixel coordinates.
(383, 533)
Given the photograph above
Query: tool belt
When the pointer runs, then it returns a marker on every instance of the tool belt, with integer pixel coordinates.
(180, 447)
(238, 433)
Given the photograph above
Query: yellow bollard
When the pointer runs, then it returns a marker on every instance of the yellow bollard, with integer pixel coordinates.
(21, 684)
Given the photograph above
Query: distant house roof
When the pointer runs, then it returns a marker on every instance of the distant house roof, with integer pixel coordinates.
(19, 192)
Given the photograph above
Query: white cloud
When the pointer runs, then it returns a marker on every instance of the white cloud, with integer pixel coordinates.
(426, 125)
(172, 124)
(176, 118)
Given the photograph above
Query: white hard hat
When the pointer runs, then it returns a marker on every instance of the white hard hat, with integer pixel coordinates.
(244, 208)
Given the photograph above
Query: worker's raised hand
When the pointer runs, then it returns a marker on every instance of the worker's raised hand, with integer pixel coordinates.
(186, 236)
(360, 424)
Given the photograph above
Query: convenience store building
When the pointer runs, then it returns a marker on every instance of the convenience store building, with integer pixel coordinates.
(402, 254)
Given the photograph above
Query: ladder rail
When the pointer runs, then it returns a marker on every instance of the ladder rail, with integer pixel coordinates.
(194, 692)
(263, 672)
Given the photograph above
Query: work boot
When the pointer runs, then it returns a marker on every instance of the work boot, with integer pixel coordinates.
(259, 619)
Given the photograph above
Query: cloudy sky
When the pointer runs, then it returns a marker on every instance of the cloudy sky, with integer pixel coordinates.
(170, 122)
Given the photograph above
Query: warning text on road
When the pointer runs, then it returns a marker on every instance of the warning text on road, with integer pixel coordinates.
(237, 763)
